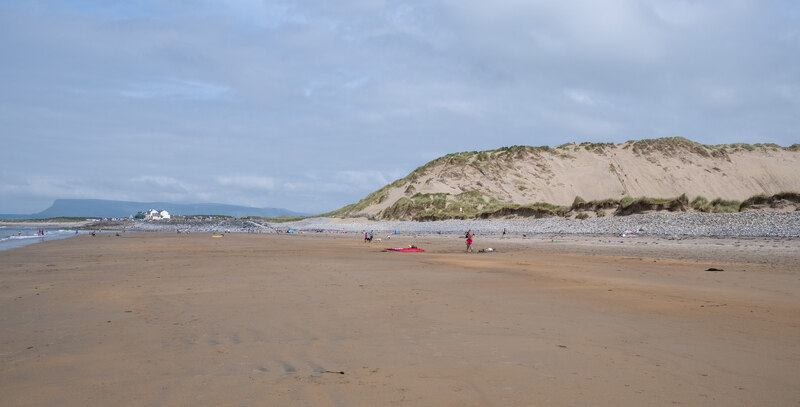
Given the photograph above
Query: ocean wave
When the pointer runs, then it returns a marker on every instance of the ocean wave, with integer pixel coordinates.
(23, 237)
(8, 242)
(52, 233)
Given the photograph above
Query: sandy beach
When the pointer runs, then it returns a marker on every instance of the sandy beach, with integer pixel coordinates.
(325, 320)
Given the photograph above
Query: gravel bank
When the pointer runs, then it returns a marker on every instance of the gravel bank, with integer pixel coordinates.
(744, 224)
(663, 224)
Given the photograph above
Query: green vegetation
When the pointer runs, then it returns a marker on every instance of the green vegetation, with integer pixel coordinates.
(627, 201)
(416, 205)
(742, 146)
(603, 203)
(762, 199)
(673, 145)
(598, 148)
(420, 206)
(475, 205)
(535, 210)
(628, 205)
(699, 202)
(718, 205)
(759, 199)
(579, 204)
(668, 145)
(426, 207)
(557, 209)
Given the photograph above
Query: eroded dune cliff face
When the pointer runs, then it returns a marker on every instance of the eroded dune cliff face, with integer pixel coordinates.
(521, 180)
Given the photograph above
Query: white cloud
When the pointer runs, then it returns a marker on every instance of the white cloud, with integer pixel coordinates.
(159, 180)
(719, 96)
(789, 92)
(681, 12)
(332, 84)
(175, 89)
(460, 106)
(246, 181)
(580, 97)
(55, 186)
(585, 127)
(363, 179)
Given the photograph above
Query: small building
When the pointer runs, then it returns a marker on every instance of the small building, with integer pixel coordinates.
(152, 214)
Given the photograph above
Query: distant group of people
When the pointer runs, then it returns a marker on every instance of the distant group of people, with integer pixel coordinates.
(41, 232)
(469, 235)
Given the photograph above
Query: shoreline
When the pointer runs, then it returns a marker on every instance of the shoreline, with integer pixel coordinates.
(644, 230)
(66, 225)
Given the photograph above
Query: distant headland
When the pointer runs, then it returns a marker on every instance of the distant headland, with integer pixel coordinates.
(100, 208)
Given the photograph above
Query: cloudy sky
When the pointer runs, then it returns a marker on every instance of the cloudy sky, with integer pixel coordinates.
(310, 105)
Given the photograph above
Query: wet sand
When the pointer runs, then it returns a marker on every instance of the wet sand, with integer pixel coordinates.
(318, 320)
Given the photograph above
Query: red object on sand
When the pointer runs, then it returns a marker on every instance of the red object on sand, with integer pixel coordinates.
(404, 249)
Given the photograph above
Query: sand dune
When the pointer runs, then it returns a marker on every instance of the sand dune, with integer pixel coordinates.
(317, 320)
(659, 168)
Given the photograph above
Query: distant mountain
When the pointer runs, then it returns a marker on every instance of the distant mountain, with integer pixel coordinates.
(99, 208)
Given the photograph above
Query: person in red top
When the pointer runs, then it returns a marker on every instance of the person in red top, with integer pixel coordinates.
(469, 236)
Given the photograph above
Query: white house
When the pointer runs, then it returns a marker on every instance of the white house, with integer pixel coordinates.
(153, 214)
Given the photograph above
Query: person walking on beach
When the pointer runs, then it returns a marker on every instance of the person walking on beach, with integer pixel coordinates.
(366, 237)
(504, 233)
(469, 236)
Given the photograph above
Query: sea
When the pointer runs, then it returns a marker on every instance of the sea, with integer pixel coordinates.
(18, 236)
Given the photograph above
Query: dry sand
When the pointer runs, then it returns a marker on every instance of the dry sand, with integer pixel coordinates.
(310, 320)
